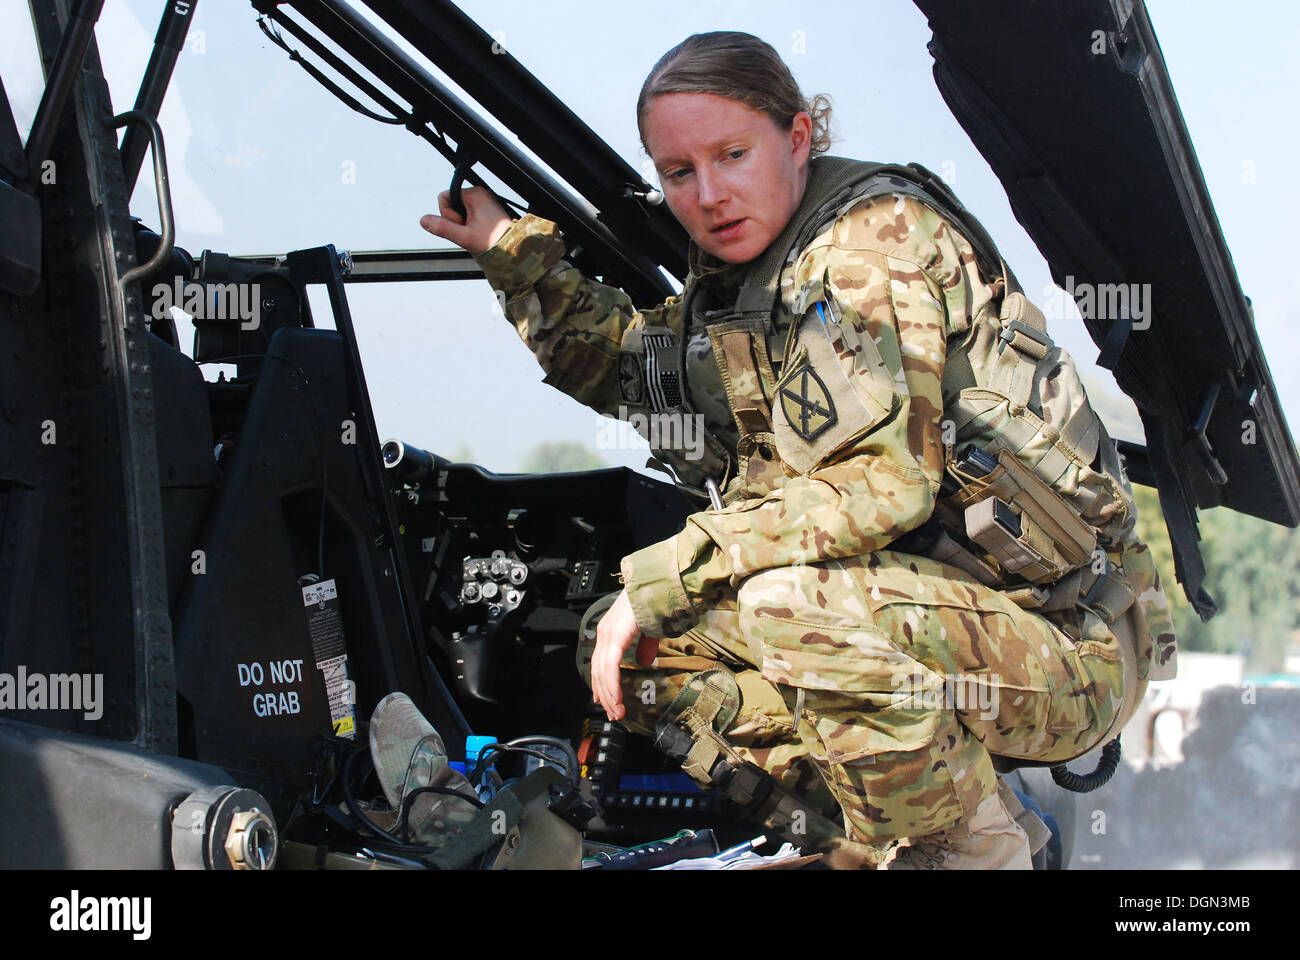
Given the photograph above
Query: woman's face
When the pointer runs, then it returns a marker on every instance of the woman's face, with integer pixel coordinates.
(731, 176)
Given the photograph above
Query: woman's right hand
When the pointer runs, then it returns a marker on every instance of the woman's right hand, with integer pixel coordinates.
(486, 220)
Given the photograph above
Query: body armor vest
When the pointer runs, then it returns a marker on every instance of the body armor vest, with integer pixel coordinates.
(1034, 495)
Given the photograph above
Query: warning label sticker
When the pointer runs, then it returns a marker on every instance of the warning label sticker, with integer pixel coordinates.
(339, 691)
(318, 592)
(330, 653)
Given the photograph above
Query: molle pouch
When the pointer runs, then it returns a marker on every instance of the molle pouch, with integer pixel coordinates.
(949, 551)
(1022, 522)
(740, 351)
(1011, 388)
(1017, 543)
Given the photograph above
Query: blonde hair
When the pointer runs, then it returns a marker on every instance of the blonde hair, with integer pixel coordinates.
(741, 67)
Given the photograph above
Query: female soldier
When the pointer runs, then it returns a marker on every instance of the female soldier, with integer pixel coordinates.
(823, 405)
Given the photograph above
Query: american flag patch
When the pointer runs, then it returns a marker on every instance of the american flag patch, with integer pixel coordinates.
(663, 385)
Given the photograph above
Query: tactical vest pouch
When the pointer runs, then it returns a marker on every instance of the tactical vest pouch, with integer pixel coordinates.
(1015, 541)
(1015, 394)
(949, 551)
(740, 350)
(1023, 523)
(1027, 398)
(1056, 488)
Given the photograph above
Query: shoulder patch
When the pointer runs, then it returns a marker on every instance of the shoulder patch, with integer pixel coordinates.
(806, 402)
(631, 380)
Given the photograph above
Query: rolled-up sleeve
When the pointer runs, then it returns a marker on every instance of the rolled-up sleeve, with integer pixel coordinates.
(574, 326)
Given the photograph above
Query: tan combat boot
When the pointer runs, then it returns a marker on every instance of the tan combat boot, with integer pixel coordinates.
(990, 840)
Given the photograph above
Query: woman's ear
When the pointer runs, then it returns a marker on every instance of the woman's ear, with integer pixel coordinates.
(801, 136)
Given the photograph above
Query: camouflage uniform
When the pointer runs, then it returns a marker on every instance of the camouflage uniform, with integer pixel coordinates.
(889, 675)
(409, 754)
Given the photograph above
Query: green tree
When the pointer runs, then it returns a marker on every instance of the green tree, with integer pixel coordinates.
(1252, 570)
(559, 456)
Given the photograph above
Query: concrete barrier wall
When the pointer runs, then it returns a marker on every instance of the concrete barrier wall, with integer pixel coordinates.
(1226, 796)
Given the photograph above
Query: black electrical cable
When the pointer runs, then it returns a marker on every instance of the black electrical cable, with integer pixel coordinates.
(330, 749)
(408, 802)
(356, 810)
(326, 82)
(570, 755)
(352, 803)
(480, 767)
(1087, 782)
(416, 124)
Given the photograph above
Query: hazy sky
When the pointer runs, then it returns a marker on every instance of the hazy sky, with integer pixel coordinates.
(265, 160)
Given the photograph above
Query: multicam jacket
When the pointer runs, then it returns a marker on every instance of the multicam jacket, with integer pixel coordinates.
(851, 373)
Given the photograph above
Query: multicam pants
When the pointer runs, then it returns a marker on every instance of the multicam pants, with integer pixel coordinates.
(887, 680)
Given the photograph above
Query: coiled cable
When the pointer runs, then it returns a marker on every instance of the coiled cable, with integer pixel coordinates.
(1087, 782)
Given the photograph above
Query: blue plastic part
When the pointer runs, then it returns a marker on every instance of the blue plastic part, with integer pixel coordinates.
(474, 746)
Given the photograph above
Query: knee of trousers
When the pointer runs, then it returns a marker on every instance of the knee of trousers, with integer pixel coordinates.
(890, 623)
(1081, 689)
(874, 644)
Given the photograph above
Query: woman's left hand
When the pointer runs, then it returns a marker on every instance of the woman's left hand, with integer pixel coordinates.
(616, 632)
